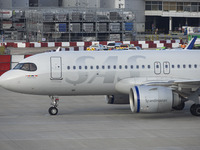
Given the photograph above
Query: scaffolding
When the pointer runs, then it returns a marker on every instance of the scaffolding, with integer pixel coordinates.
(79, 24)
(13, 24)
(68, 24)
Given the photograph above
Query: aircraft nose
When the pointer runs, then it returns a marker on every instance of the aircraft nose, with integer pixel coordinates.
(6, 80)
(0, 81)
(3, 81)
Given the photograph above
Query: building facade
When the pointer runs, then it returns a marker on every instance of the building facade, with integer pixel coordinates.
(9, 4)
(144, 16)
(81, 3)
(112, 3)
(171, 16)
(166, 16)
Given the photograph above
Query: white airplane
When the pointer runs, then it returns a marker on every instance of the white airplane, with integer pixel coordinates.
(148, 80)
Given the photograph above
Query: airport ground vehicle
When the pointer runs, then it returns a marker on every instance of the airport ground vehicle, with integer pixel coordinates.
(111, 46)
(96, 47)
(129, 47)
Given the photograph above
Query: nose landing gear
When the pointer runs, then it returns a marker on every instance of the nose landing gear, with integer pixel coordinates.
(53, 110)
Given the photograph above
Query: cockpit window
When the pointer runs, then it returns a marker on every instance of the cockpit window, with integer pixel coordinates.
(26, 66)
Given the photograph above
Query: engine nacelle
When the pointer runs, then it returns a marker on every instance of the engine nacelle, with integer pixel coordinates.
(117, 99)
(152, 99)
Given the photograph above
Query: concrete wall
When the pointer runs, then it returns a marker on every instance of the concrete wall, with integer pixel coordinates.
(138, 7)
(5, 4)
(48, 3)
(112, 3)
(81, 3)
(20, 3)
(107, 4)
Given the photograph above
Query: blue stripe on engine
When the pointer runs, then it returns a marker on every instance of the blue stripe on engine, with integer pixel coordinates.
(138, 99)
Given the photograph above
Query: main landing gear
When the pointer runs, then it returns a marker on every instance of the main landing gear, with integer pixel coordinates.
(195, 109)
(53, 110)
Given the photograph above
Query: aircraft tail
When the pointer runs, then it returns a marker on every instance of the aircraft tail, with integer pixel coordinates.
(191, 44)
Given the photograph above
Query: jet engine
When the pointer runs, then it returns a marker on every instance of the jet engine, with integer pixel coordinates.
(153, 99)
(117, 99)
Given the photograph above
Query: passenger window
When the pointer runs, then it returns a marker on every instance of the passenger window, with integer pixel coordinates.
(74, 67)
(138, 66)
(91, 67)
(131, 66)
(184, 66)
(103, 67)
(114, 67)
(26, 66)
(143, 66)
(85, 67)
(190, 66)
(120, 67)
(68, 67)
(149, 66)
(172, 66)
(195, 66)
(108, 67)
(97, 67)
(126, 67)
(80, 67)
(178, 66)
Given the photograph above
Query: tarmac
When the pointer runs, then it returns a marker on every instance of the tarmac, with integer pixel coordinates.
(88, 123)
(29, 51)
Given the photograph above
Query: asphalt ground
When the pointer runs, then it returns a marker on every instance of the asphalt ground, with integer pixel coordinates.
(88, 123)
(29, 51)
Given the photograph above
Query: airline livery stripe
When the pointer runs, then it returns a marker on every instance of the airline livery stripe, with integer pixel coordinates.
(138, 99)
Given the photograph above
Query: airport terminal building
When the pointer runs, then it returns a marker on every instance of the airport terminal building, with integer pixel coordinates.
(165, 15)
(105, 19)
(171, 16)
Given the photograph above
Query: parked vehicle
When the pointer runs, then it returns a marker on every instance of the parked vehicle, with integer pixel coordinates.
(129, 47)
(96, 47)
(111, 46)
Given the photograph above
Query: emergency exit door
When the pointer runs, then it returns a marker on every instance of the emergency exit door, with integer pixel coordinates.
(56, 68)
(166, 67)
(157, 67)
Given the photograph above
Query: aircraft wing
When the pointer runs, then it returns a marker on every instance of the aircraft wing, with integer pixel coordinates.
(182, 86)
(175, 82)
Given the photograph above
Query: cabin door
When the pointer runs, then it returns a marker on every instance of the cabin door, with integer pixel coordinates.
(56, 68)
(157, 67)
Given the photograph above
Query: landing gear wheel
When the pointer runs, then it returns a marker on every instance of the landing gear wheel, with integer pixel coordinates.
(195, 109)
(179, 107)
(53, 111)
(192, 108)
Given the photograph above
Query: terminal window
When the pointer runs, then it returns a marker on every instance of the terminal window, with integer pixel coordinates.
(33, 3)
(172, 6)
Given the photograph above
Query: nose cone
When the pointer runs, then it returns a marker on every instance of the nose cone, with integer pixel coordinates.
(1, 82)
(4, 81)
(7, 80)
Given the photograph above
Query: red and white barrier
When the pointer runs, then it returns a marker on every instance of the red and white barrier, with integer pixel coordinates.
(143, 44)
(4, 63)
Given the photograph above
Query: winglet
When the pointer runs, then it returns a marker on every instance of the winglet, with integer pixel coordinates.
(191, 43)
(58, 49)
